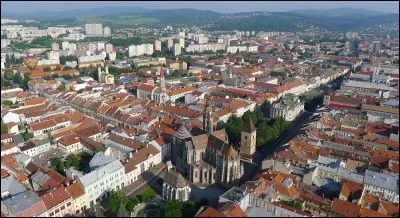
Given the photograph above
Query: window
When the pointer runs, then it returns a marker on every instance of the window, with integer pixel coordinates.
(68, 204)
(62, 207)
(57, 210)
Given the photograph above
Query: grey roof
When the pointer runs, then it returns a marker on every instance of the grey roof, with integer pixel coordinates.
(359, 76)
(11, 186)
(39, 142)
(175, 179)
(22, 157)
(24, 201)
(17, 138)
(40, 177)
(381, 180)
(96, 174)
(249, 127)
(392, 102)
(100, 159)
(183, 132)
(347, 174)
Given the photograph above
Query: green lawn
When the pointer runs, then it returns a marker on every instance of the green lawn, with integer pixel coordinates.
(147, 194)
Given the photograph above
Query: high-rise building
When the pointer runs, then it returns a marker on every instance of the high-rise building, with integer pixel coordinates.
(109, 48)
(181, 34)
(177, 49)
(157, 45)
(107, 31)
(138, 50)
(65, 45)
(92, 48)
(182, 42)
(170, 43)
(55, 47)
(94, 29)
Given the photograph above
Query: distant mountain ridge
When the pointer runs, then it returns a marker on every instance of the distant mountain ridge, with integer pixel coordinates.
(339, 19)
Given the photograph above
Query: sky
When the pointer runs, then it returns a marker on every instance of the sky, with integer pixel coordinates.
(218, 6)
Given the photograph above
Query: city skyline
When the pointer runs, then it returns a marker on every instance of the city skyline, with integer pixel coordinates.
(222, 7)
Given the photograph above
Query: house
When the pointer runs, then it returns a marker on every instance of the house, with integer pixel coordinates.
(6, 138)
(41, 145)
(78, 195)
(344, 208)
(10, 187)
(10, 116)
(12, 128)
(70, 143)
(9, 148)
(382, 185)
(24, 204)
(351, 191)
(107, 174)
(58, 202)
(29, 149)
(315, 204)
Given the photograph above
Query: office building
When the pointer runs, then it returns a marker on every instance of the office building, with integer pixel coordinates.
(109, 48)
(55, 47)
(170, 43)
(138, 50)
(182, 42)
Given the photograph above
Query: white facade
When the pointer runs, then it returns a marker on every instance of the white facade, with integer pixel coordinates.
(11, 117)
(109, 48)
(177, 49)
(107, 31)
(94, 29)
(105, 178)
(157, 45)
(205, 47)
(138, 50)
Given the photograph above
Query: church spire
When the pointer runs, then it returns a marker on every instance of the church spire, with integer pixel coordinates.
(162, 79)
(208, 118)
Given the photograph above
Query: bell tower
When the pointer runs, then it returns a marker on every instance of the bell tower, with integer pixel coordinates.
(248, 140)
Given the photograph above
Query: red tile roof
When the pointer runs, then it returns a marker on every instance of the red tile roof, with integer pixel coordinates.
(345, 208)
(55, 197)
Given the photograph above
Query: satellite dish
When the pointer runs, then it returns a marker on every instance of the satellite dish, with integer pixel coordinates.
(259, 61)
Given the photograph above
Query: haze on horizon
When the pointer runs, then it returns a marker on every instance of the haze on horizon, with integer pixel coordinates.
(223, 7)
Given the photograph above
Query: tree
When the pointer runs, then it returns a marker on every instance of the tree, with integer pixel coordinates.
(67, 68)
(12, 59)
(47, 77)
(8, 74)
(55, 162)
(116, 200)
(27, 135)
(131, 204)
(17, 78)
(172, 208)
(54, 76)
(57, 68)
(8, 60)
(4, 129)
(189, 209)
(73, 160)
(5, 83)
(122, 212)
(25, 81)
(67, 77)
(61, 87)
(46, 69)
(7, 102)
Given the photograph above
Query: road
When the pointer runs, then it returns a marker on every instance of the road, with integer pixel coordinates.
(294, 127)
(138, 208)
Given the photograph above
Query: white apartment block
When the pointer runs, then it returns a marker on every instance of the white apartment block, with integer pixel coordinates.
(157, 45)
(177, 49)
(205, 47)
(109, 48)
(138, 50)
(94, 29)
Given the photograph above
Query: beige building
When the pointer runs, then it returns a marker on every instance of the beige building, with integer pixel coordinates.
(78, 196)
(105, 77)
(177, 49)
(248, 140)
(177, 65)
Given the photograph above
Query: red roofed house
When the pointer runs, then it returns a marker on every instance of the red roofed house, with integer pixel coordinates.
(59, 202)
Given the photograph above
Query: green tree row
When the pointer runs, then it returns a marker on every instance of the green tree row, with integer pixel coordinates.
(267, 130)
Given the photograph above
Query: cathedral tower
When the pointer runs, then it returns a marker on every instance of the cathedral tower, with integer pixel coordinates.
(248, 140)
(208, 118)
(162, 79)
